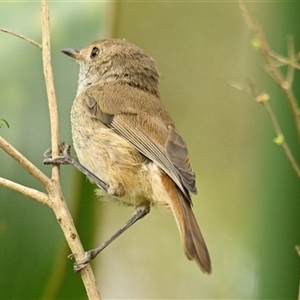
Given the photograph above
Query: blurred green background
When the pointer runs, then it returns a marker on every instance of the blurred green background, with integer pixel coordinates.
(248, 204)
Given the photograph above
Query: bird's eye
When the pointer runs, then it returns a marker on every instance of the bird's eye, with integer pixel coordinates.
(95, 52)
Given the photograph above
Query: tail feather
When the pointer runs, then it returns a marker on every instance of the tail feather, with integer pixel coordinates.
(196, 249)
(191, 236)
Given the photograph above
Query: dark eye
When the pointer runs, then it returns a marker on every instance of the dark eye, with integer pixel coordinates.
(94, 52)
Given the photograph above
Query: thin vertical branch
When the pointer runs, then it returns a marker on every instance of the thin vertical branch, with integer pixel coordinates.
(48, 74)
(291, 54)
(54, 199)
(59, 205)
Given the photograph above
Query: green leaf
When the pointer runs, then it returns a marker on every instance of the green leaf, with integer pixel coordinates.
(256, 43)
(3, 122)
(279, 139)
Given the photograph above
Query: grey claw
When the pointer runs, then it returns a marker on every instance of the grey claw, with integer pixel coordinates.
(79, 266)
(60, 160)
(47, 152)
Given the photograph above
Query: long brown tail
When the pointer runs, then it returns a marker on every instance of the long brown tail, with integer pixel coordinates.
(191, 237)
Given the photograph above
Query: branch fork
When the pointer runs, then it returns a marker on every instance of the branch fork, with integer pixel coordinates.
(273, 62)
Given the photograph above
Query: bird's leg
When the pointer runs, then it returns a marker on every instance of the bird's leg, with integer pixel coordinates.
(67, 159)
(139, 213)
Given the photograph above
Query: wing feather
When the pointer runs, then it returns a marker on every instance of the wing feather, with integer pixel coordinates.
(149, 148)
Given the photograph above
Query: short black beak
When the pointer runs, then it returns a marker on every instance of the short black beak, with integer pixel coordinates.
(72, 52)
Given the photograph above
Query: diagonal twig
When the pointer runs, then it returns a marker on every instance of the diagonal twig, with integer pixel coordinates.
(29, 192)
(22, 37)
(25, 163)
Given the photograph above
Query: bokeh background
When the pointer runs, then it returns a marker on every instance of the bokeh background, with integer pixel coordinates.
(248, 203)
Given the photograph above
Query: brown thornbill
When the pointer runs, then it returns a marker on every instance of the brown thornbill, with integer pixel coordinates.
(123, 135)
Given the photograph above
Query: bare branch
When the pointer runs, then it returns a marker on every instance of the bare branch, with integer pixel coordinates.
(55, 198)
(283, 143)
(59, 205)
(29, 192)
(263, 98)
(48, 74)
(273, 62)
(269, 57)
(22, 37)
(291, 54)
(284, 61)
(25, 163)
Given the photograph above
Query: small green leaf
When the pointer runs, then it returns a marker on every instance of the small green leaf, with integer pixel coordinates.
(279, 139)
(256, 44)
(3, 122)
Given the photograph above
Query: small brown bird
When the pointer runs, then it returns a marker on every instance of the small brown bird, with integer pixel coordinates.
(123, 135)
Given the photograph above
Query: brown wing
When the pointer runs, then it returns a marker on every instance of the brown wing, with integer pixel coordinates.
(142, 120)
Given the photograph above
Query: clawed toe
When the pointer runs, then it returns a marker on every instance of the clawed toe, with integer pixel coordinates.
(78, 266)
(64, 159)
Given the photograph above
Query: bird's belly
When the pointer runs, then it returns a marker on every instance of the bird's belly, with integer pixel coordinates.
(114, 160)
